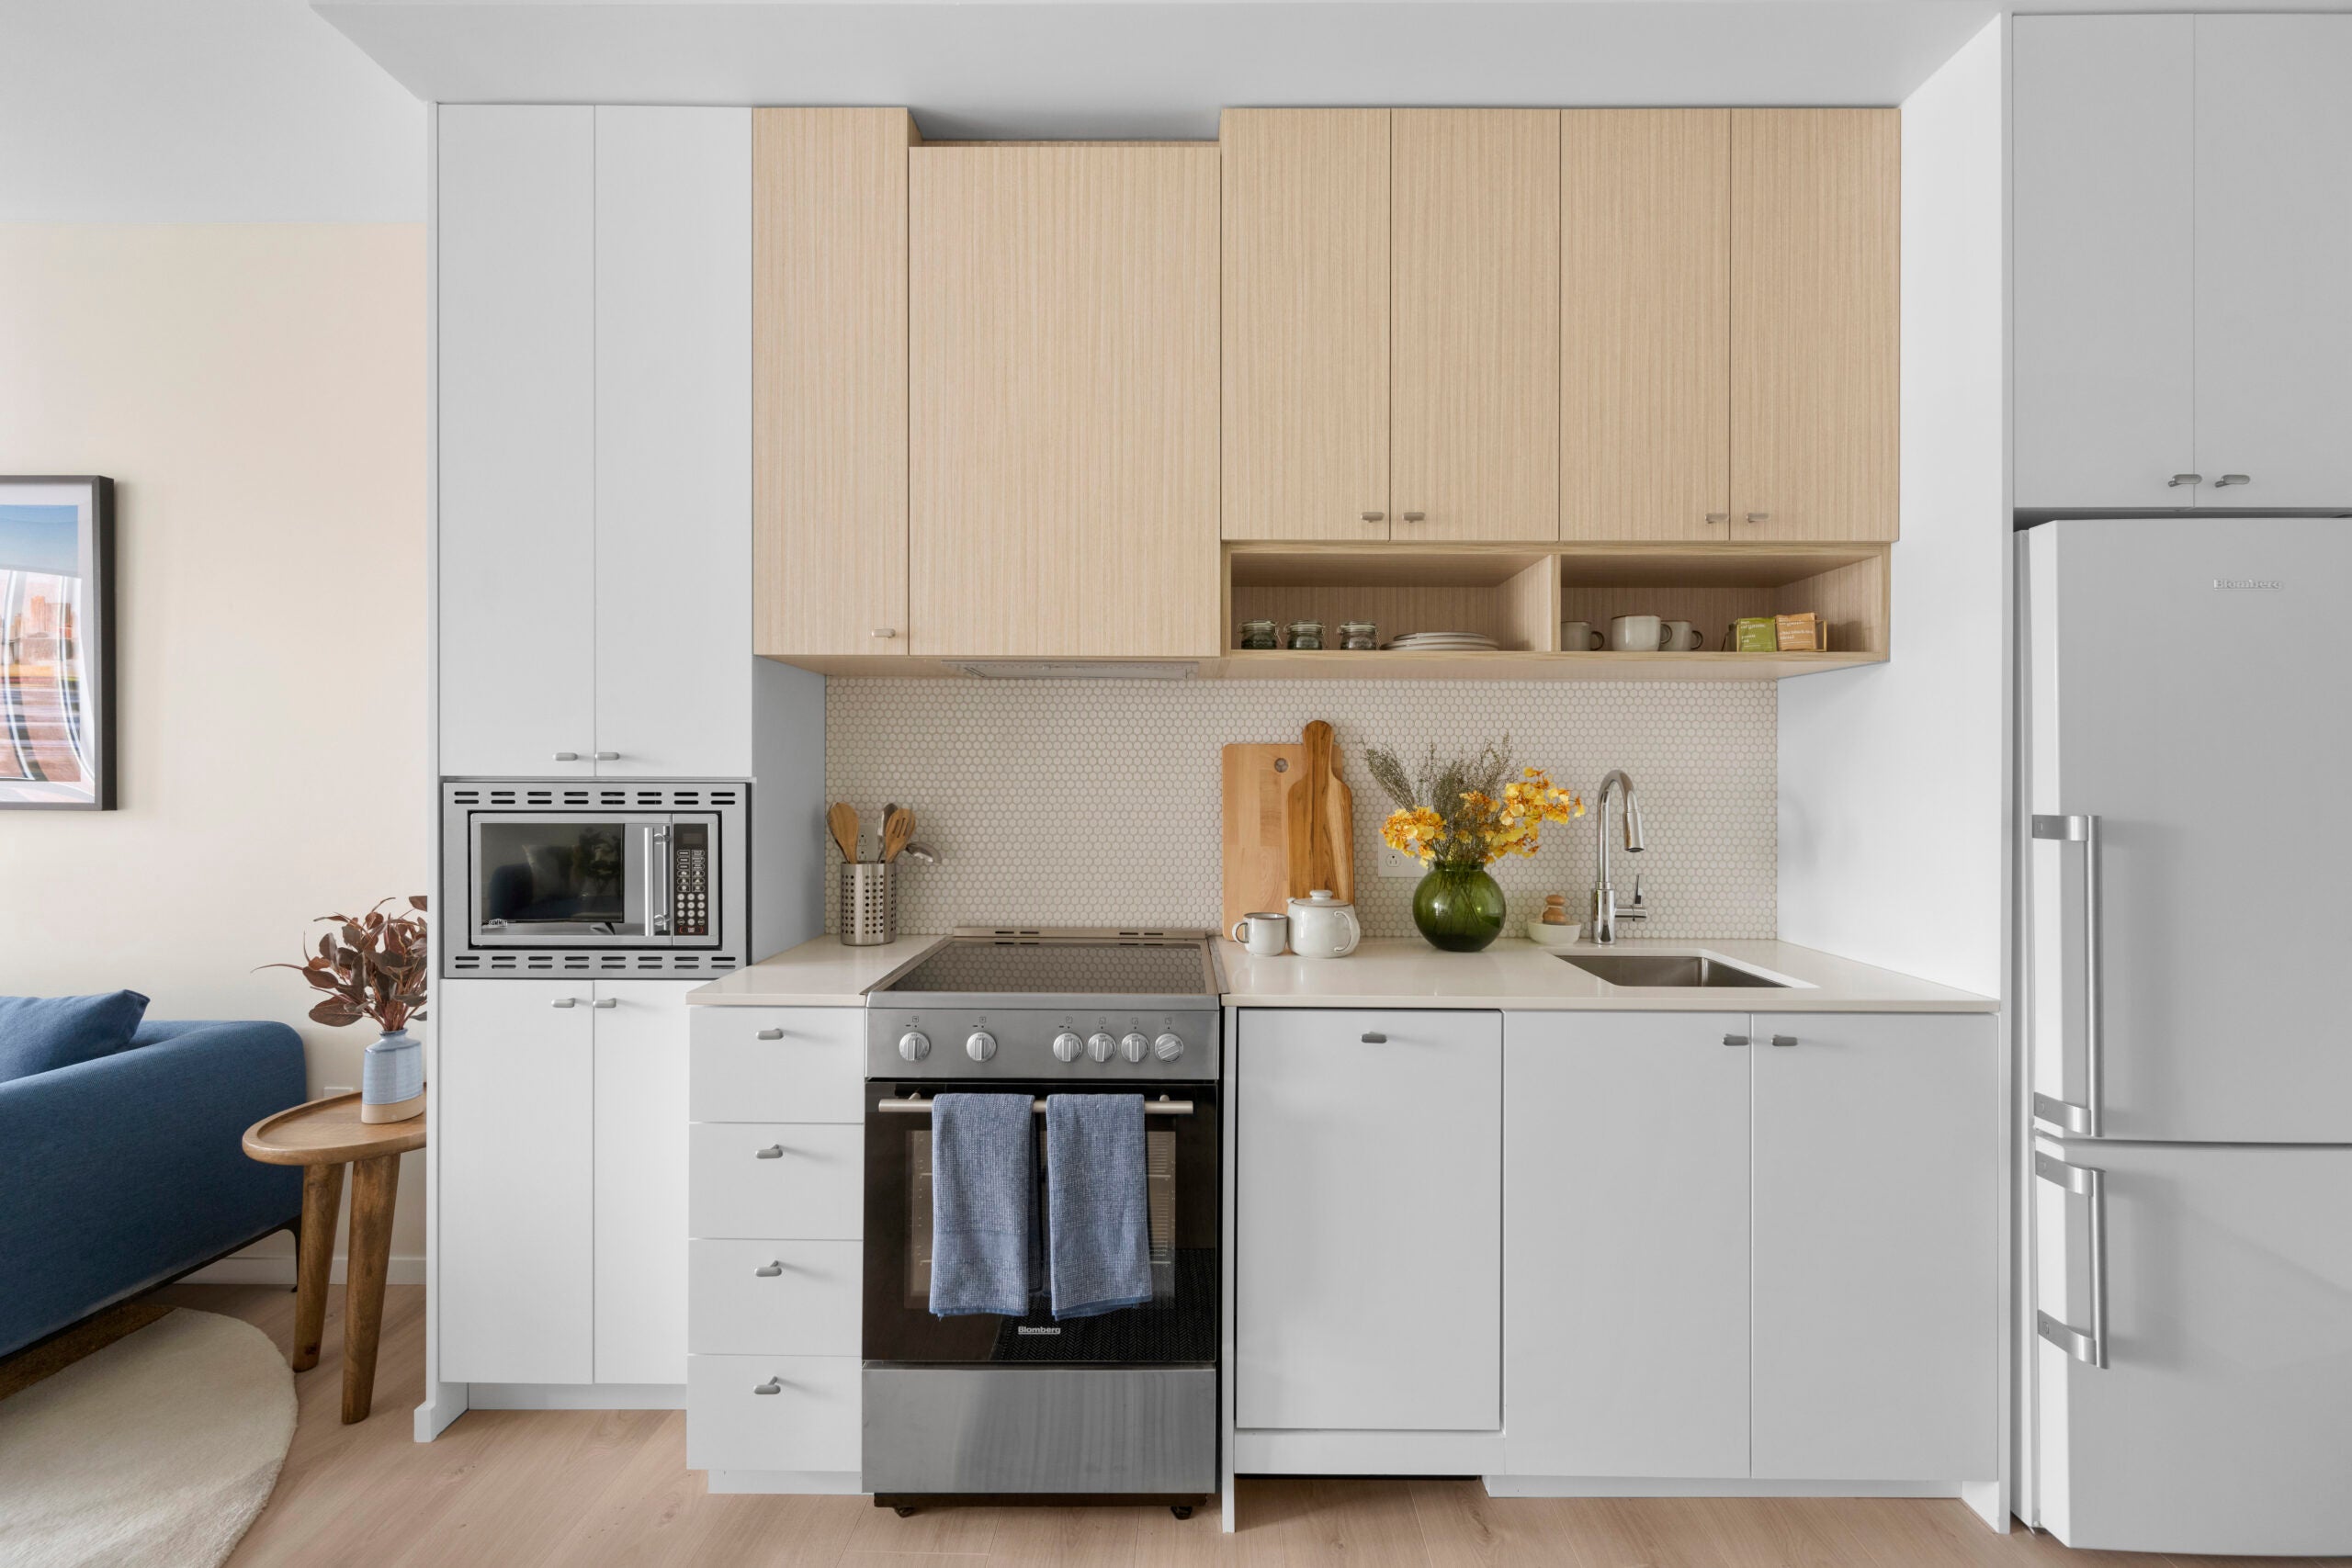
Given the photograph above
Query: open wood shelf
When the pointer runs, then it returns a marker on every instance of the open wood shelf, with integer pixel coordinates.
(1282, 664)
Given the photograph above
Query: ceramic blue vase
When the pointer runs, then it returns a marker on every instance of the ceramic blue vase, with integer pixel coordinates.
(392, 1079)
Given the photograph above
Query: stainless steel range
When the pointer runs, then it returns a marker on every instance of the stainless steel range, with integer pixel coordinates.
(1120, 1407)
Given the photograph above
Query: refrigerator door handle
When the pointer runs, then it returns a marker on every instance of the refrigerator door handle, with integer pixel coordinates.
(2085, 1120)
(2090, 1348)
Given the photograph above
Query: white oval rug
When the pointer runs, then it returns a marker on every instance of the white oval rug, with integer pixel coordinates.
(157, 1451)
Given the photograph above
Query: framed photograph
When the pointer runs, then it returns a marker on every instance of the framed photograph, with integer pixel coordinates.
(57, 643)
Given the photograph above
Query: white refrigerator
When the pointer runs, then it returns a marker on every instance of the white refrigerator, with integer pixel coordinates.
(2186, 935)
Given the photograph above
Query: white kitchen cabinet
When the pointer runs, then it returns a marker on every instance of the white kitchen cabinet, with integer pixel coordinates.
(593, 410)
(641, 1198)
(1368, 1218)
(787, 1413)
(2274, 228)
(2182, 199)
(513, 1112)
(673, 441)
(514, 256)
(1625, 1233)
(1875, 1248)
(778, 1064)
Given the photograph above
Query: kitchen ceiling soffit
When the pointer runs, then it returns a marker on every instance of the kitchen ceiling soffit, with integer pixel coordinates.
(1145, 69)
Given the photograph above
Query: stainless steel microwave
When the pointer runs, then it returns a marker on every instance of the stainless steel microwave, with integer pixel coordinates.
(571, 877)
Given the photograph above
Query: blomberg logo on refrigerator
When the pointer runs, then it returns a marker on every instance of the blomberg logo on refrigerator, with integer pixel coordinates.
(2270, 582)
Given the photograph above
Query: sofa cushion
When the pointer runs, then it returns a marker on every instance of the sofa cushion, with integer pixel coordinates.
(39, 1034)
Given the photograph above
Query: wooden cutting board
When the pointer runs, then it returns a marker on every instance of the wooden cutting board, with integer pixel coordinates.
(1319, 820)
(1257, 851)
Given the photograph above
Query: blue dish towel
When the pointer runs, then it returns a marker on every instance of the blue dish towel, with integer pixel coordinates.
(983, 1203)
(1098, 1217)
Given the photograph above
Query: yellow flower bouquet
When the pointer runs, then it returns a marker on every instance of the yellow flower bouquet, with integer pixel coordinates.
(1457, 815)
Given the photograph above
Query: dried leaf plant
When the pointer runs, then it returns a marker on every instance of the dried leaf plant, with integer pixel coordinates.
(1473, 809)
(371, 965)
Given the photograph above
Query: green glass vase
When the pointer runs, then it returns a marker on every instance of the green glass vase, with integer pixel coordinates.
(1458, 907)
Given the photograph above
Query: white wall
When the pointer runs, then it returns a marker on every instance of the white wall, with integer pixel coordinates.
(1894, 777)
(257, 393)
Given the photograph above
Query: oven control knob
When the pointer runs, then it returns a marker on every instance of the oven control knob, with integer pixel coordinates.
(1135, 1047)
(1100, 1046)
(980, 1047)
(1167, 1047)
(1067, 1046)
(915, 1046)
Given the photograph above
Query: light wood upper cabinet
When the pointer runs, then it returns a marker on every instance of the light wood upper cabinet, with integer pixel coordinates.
(1475, 324)
(1816, 231)
(1062, 488)
(828, 389)
(1305, 306)
(1644, 323)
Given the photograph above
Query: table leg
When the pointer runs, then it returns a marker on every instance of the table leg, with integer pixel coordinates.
(322, 1195)
(374, 1184)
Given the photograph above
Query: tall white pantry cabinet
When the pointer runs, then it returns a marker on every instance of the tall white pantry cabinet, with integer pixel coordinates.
(593, 619)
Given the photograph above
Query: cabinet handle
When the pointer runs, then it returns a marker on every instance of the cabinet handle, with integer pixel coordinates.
(774, 1151)
(774, 1385)
(605, 756)
(1413, 516)
(2234, 479)
(565, 1002)
(1714, 517)
(2179, 480)
(606, 1002)
(1759, 517)
(770, 1270)
(771, 1034)
(1374, 516)
(567, 756)
(1784, 1039)
(1736, 1040)
(1373, 1038)
(2084, 1182)
(886, 631)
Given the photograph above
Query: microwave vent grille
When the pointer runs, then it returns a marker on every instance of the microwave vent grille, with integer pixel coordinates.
(588, 964)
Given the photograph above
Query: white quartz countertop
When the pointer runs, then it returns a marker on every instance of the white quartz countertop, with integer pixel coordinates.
(1406, 972)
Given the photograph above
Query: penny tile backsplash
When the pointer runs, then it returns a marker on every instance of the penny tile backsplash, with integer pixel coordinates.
(1097, 802)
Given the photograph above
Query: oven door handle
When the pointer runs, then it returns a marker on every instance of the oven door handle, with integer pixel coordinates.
(658, 892)
(922, 1107)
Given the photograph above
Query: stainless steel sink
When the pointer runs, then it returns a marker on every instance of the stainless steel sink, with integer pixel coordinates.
(1666, 969)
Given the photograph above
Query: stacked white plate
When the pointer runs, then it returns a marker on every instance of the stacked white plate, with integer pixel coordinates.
(1443, 642)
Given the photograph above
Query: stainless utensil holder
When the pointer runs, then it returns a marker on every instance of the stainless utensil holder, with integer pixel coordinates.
(867, 913)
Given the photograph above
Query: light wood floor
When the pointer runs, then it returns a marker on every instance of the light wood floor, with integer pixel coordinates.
(586, 1489)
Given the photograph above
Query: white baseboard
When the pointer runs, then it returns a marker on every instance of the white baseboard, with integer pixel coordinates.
(819, 1483)
(1675, 1487)
(279, 1271)
(576, 1397)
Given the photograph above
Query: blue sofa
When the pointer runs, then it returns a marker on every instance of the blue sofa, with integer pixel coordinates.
(123, 1172)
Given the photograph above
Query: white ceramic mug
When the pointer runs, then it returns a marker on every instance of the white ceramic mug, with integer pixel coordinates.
(1681, 637)
(1263, 933)
(1579, 636)
(1636, 633)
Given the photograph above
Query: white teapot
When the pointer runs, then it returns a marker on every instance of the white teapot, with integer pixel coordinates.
(1322, 927)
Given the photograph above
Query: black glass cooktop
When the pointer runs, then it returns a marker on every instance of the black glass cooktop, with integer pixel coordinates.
(979, 965)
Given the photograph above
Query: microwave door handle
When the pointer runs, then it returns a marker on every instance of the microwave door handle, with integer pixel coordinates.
(657, 879)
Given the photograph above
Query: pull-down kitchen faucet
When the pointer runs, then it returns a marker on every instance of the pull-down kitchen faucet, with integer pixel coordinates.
(1605, 912)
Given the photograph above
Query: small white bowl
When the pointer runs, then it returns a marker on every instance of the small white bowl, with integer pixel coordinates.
(1543, 935)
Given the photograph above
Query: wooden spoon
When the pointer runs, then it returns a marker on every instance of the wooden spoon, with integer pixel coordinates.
(843, 819)
(896, 830)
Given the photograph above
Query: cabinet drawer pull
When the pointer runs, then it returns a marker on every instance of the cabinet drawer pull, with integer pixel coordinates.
(567, 756)
(1375, 517)
(2233, 480)
(1714, 517)
(1759, 517)
(774, 1385)
(771, 1034)
(770, 1270)
(1372, 1037)
(606, 1002)
(1736, 1040)
(1784, 1039)
(565, 1002)
(1413, 516)
(605, 756)
(774, 1151)
(886, 631)
(2179, 480)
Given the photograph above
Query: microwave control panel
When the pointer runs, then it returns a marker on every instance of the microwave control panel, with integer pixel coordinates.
(690, 880)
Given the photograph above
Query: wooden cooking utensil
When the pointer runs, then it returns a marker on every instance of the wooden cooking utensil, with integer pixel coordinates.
(842, 820)
(1257, 866)
(898, 827)
(1308, 818)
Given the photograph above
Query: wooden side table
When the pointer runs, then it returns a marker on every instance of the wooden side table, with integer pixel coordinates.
(322, 1137)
